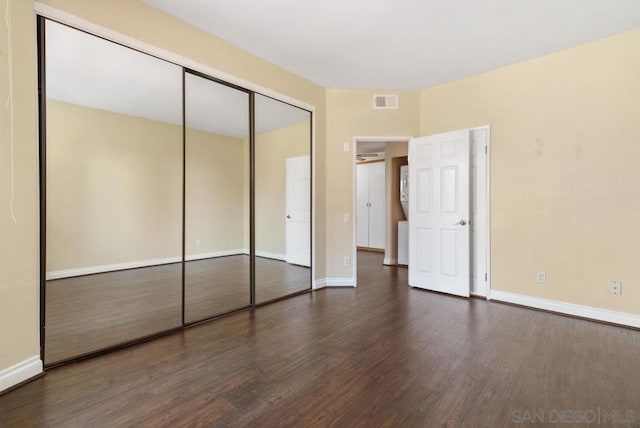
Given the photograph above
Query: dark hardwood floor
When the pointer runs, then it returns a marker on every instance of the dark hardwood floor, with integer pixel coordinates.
(378, 355)
(92, 312)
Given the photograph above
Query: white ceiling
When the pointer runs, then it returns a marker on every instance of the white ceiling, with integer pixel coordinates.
(89, 71)
(402, 44)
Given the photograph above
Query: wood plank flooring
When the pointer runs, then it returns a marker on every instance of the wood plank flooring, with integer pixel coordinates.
(92, 312)
(379, 355)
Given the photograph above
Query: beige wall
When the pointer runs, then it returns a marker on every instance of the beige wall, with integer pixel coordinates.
(565, 137)
(19, 254)
(272, 150)
(114, 188)
(350, 114)
(217, 188)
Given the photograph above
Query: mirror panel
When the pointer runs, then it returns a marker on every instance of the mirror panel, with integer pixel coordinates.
(282, 199)
(216, 199)
(114, 194)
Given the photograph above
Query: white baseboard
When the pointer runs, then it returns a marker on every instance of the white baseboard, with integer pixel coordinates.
(389, 261)
(20, 372)
(319, 283)
(622, 318)
(268, 255)
(340, 282)
(68, 273)
(215, 254)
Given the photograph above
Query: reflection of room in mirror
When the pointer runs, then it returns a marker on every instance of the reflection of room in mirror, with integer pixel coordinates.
(114, 194)
(283, 196)
(217, 277)
(148, 219)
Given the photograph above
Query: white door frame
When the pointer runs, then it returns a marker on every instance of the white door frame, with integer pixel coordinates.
(354, 175)
(488, 205)
(354, 145)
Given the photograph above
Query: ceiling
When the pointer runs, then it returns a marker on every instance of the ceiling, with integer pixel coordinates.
(89, 71)
(364, 147)
(402, 44)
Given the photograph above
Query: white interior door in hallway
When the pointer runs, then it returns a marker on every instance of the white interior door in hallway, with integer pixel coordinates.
(298, 195)
(449, 212)
(370, 205)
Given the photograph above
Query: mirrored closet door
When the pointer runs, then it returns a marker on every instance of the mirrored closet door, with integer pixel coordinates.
(282, 199)
(217, 275)
(113, 194)
(169, 197)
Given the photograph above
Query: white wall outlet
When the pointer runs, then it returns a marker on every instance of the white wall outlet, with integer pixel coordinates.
(198, 243)
(347, 261)
(615, 287)
(347, 147)
(347, 219)
(541, 277)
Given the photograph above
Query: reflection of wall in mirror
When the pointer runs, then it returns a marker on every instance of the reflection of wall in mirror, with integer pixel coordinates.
(272, 150)
(114, 193)
(217, 185)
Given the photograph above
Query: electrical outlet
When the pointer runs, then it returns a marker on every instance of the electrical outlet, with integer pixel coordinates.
(346, 147)
(541, 277)
(198, 243)
(347, 218)
(615, 287)
(347, 261)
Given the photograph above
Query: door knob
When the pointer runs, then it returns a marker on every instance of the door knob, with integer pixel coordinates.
(288, 216)
(460, 223)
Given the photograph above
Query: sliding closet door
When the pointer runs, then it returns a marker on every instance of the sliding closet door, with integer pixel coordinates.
(216, 199)
(282, 199)
(113, 194)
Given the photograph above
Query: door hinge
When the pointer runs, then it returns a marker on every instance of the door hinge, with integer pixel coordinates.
(485, 277)
(485, 150)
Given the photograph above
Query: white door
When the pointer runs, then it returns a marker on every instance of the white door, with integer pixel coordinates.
(376, 205)
(439, 213)
(362, 205)
(298, 221)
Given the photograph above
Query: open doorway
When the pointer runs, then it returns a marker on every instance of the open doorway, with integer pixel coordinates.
(395, 156)
(377, 208)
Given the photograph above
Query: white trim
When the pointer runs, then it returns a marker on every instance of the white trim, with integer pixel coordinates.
(334, 282)
(20, 372)
(314, 194)
(274, 256)
(622, 318)
(389, 262)
(488, 243)
(109, 34)
(354, 184)
(340, 282)
(88, 270)
(488, 204)
(319, 283)
(215, 254)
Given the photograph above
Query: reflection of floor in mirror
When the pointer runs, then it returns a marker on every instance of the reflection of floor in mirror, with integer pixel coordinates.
(275, 278)
(92, 312)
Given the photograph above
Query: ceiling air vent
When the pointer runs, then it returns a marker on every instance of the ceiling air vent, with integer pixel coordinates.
(385, 101)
